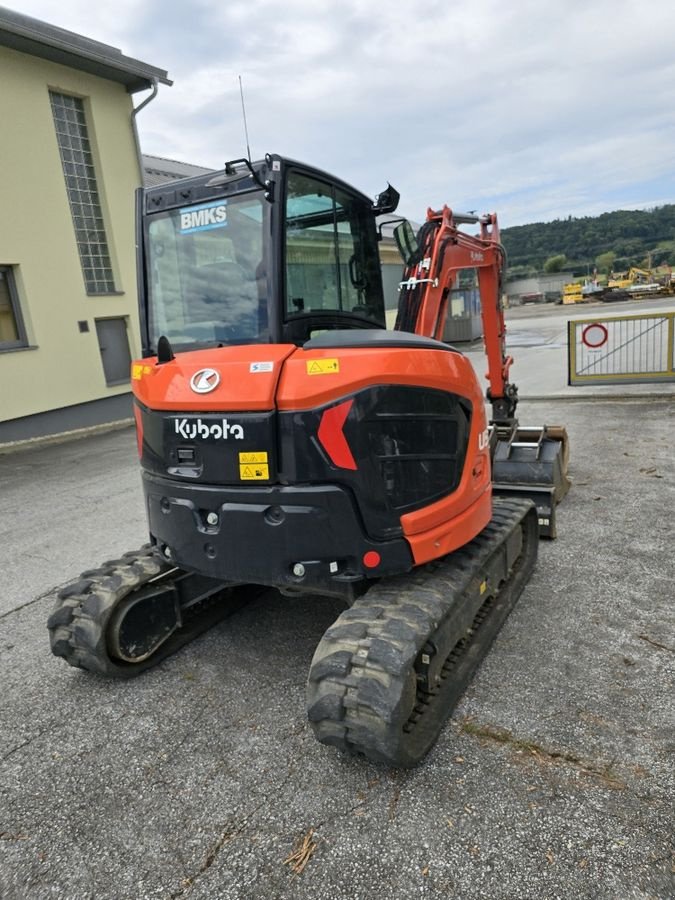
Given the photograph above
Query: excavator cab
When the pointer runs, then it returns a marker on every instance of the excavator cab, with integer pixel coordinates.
(269, 252)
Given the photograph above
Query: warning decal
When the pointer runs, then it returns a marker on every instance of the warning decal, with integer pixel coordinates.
(247, 459)
(323, 366)
(254, 472)
(253, 466)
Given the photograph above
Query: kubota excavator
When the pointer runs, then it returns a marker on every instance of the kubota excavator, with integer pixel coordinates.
(288, 439)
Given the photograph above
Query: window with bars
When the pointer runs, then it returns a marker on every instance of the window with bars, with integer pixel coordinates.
(85, 205)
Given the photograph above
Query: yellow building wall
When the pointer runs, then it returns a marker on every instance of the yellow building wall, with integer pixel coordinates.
(63, 366)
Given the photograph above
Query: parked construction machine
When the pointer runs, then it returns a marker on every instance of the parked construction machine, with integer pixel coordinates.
(287, 439)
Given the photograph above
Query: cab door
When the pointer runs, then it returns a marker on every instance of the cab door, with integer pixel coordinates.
(331, 266)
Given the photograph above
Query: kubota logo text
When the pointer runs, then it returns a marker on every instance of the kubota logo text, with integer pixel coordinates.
(189, 429)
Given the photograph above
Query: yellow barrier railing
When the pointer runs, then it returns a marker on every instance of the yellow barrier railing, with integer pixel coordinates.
(621, 349)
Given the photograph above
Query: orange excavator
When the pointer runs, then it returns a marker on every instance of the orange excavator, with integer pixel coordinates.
(289, 440)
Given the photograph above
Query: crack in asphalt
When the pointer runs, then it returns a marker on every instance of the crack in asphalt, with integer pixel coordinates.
(23, 744)
(502, 736)
(234, 831)
(37, 599)
(645, 637)
(214, 849)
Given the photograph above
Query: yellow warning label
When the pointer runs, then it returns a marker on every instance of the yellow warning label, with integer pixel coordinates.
(323, 366)
(254, 472)
(136, 372)
(483, 587)
(246, 459)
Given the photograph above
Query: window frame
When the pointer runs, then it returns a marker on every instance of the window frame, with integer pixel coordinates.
(151, 305)
(298, 327)
(15, 306)
(81, 179)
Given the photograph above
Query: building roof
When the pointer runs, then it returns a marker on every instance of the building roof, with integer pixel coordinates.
(158, 170)
(27, 35)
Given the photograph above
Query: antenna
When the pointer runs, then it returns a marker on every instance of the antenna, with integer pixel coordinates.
(243, 111)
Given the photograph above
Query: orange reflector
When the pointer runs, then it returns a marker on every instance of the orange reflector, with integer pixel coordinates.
(139, 430)
(371, 559)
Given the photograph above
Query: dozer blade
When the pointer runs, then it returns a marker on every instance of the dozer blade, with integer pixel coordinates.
(531, 462)
(386, 676)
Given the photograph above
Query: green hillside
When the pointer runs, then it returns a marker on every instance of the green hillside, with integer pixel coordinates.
(635, 237)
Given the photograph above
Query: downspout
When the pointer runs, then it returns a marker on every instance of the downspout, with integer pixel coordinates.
(139, 268)
(135, 112)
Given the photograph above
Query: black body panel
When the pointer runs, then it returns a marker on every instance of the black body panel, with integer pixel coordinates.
(210, 448)
(262, 532)
(408, 444)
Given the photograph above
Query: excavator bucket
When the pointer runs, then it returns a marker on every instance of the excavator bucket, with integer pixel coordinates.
(531, 462)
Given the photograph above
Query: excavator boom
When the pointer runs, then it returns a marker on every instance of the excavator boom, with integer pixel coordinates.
(527, 462)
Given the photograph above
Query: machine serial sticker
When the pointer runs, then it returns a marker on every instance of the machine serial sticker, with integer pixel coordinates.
(257, 472)
(261, 367)
(323, 366)
(249, 459)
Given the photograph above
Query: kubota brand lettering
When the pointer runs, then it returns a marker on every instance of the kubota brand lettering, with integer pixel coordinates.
(203, 217)
(190, 429)
(484, 440)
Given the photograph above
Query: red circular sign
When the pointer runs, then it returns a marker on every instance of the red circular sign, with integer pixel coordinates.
(594, 335)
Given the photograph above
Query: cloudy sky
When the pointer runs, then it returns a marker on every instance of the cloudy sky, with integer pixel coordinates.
(534, 108)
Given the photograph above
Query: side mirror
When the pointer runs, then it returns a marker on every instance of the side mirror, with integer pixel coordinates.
(406, 241)
(387, 201)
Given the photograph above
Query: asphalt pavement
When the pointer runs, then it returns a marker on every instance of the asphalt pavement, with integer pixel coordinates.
(199, 779)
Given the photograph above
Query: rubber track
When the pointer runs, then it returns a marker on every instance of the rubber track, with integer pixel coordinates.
(78, 624)
(363, 694)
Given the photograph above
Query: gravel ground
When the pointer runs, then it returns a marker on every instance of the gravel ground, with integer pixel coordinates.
(553, 779)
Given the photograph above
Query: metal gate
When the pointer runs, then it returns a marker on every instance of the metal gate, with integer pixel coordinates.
(621, 349)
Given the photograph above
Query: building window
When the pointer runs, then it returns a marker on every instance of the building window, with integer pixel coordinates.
(12, 332)
(85, 205)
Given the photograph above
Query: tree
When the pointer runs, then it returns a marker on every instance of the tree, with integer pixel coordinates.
(555, 263)
(605, 261)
